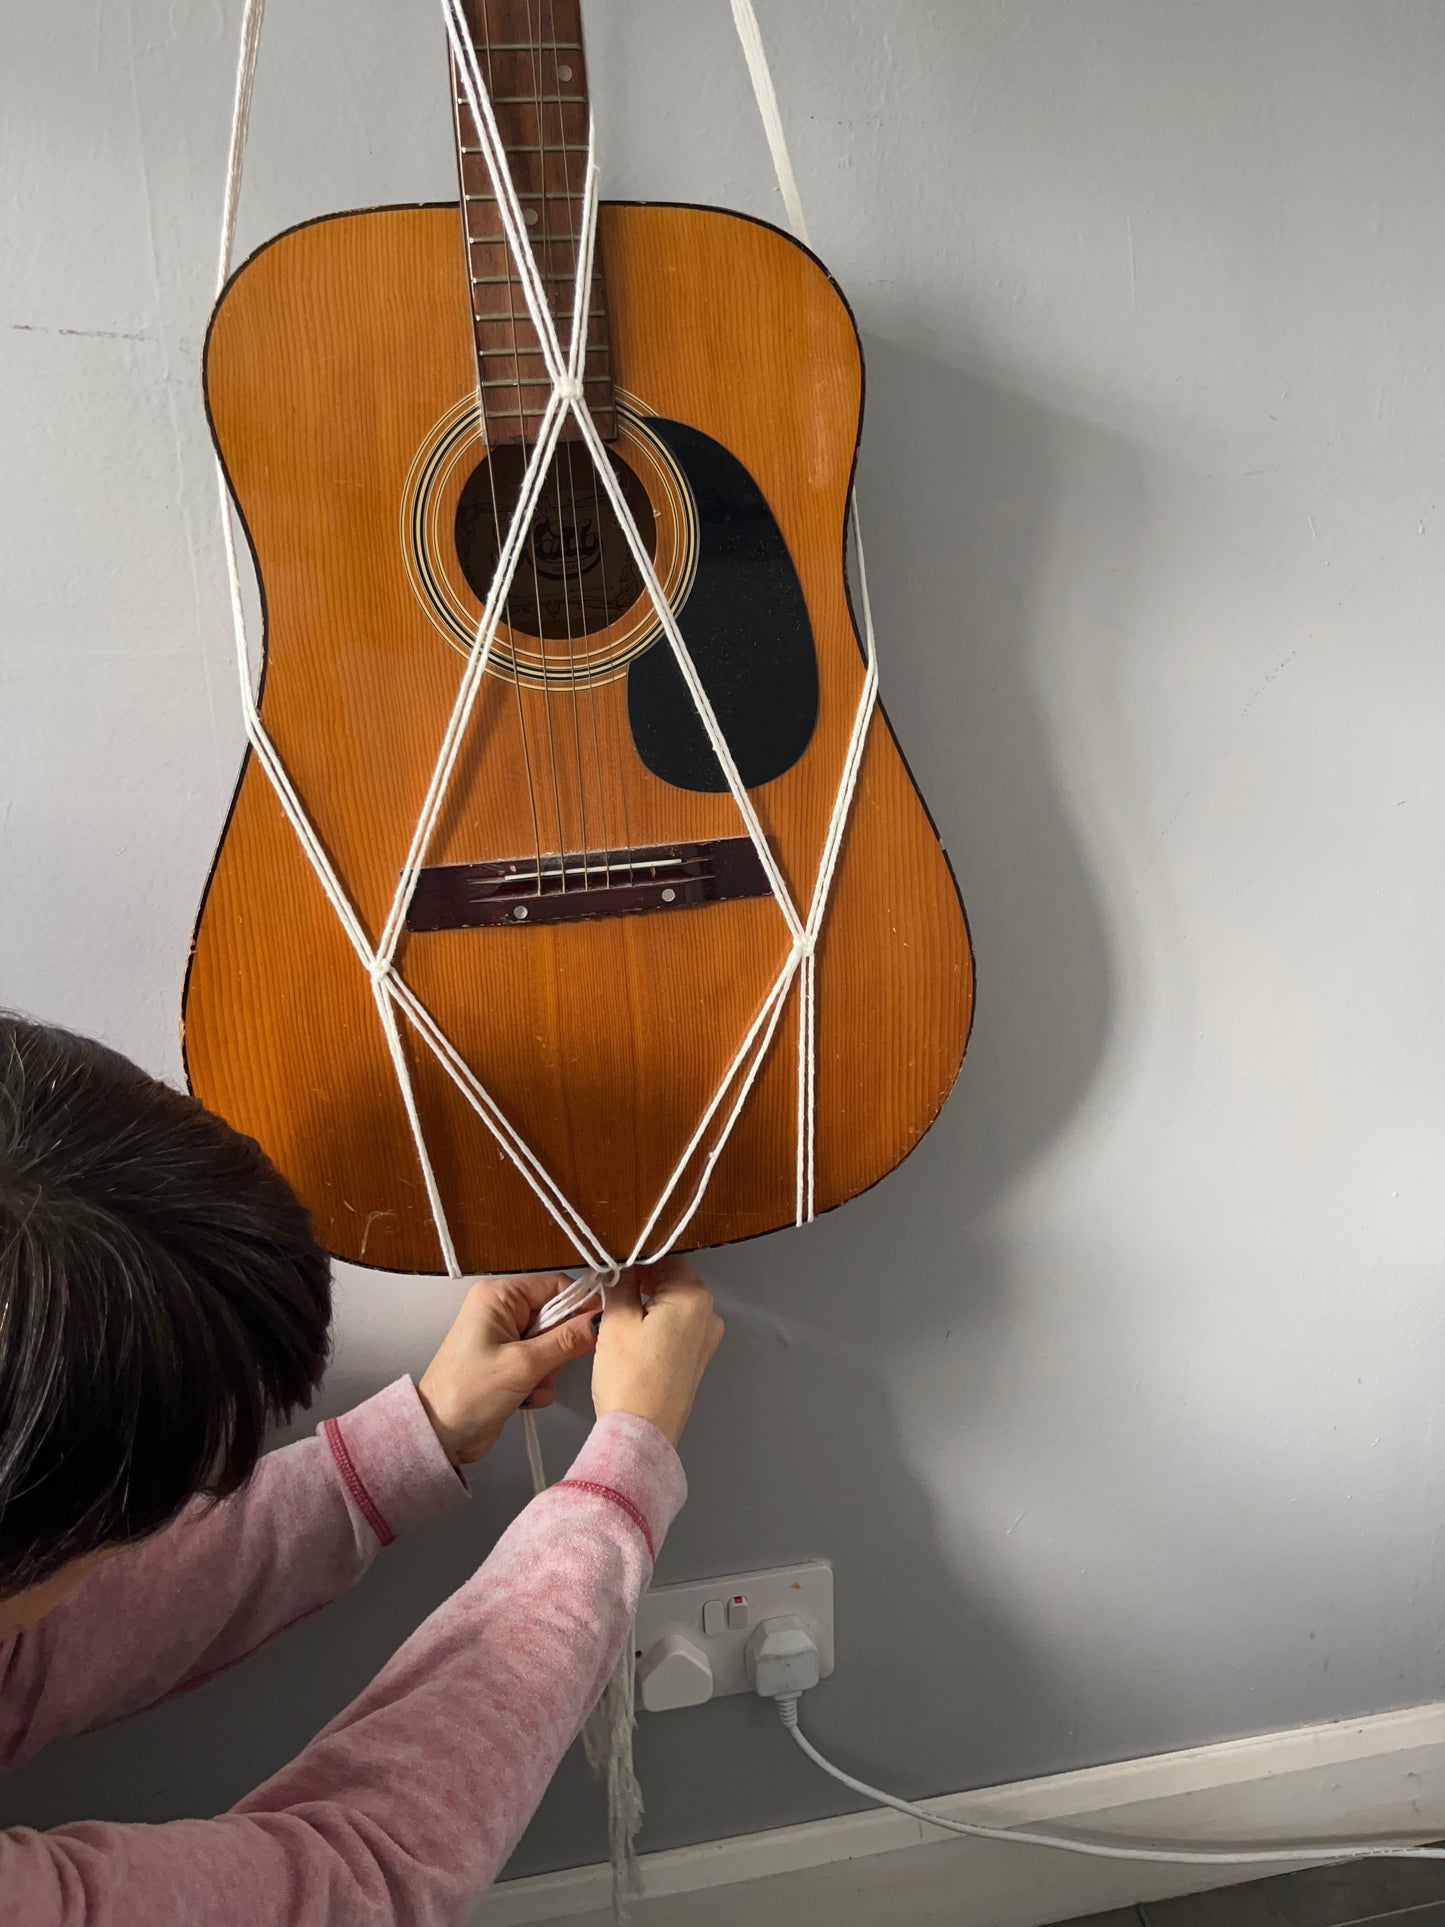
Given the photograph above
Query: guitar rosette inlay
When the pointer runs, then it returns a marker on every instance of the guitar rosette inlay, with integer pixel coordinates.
(565, 628)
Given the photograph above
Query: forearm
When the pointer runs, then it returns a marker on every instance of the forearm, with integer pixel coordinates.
(172, 1611)
(407, 1804)
(453, 1744)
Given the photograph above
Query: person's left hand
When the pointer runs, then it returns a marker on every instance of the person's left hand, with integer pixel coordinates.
(486, 1367)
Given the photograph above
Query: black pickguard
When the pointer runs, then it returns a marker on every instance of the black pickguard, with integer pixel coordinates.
(746, 627)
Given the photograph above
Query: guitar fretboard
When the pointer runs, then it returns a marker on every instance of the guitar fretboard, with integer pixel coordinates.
(531, 58)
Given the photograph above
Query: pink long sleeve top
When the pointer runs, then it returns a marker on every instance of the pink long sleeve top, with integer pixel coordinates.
(404, 1808)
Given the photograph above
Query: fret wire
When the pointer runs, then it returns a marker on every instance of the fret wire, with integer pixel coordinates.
(510, 315)
(552, 194)
(521, 414)
(501, 280)
(527, 381)
(595, 349)
(546, 147)
(491, 201)
(543, 381)
(528, 47)
(568, 273)
(524, 347)
(484, 319)
(487, 317)
(573, 148)
(601, 382)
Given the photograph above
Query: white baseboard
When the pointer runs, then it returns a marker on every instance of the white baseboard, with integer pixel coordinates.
(1381, 1777)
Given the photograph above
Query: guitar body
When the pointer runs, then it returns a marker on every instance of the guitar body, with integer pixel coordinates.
(339, 370)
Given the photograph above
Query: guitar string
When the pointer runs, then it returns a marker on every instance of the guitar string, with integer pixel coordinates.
(485, 444)
(530, 540)
(600, 522)
(566, 447)
(583, 292)
(589, 678)
(603, 771)
(554, 473)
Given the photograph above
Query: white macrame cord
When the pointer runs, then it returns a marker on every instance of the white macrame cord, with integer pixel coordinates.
(391, 992)
(609, 1738)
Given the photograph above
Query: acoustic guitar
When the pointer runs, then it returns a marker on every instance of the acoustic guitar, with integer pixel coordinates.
(591, 928)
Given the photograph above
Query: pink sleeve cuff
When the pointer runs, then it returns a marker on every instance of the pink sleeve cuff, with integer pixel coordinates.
(627, 1462)
(391, 1462)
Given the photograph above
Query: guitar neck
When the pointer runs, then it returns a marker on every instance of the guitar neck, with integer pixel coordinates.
(531, 59)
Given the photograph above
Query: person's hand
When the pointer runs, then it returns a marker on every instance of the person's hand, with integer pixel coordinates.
(487, 1367)
(651, 1362)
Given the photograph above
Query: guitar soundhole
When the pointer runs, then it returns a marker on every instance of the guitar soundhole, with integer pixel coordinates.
(576, 573)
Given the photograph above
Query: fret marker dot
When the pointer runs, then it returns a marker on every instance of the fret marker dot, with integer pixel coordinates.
(530, 217)
(564, 73)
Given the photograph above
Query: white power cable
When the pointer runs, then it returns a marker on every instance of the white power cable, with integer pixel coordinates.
(1304, 1853)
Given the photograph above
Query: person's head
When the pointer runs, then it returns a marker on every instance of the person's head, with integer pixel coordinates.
(162, 1301)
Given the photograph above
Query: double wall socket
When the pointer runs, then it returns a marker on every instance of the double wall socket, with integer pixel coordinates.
(692, 1640)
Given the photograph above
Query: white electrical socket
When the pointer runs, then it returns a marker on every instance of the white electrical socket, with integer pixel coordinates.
(692, 1640)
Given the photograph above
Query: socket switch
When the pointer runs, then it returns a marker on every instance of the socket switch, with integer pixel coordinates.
(685, 1633)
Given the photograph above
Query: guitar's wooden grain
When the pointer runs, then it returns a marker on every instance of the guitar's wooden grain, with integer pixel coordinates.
(332, 356)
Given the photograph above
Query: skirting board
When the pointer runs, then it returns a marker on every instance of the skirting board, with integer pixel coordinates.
(1382, 1777)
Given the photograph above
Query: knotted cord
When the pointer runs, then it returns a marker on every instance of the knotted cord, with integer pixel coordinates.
(394, 998)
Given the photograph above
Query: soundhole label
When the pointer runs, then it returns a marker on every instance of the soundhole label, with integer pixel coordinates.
(577, 572)
(577, 611)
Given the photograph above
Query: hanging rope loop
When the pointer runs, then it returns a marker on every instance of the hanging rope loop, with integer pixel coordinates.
(393, 997)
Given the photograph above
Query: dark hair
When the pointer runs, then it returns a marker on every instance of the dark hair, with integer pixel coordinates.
(162, 1300)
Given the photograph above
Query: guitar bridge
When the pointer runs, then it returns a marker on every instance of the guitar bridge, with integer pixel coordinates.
(570, 887)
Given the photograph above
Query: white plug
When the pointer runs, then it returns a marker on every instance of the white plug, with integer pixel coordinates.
(782, 1658)
(673, 1673)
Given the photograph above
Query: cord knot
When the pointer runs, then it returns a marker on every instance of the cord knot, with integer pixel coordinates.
(569, 389)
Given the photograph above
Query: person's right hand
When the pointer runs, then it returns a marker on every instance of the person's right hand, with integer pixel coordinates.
(651, 1362)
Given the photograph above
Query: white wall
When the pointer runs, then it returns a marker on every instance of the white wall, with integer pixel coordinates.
(1116, 1406)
